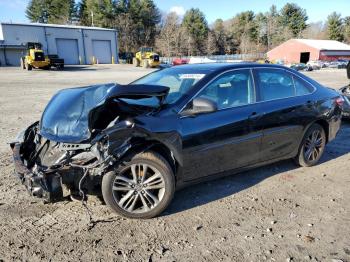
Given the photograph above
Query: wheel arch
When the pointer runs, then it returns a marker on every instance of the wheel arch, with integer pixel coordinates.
(155, 146)
(325, 125)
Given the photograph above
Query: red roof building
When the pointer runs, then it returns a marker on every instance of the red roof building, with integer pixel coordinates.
(305, 50)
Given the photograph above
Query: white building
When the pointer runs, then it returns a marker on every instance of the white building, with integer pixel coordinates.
(75, 44)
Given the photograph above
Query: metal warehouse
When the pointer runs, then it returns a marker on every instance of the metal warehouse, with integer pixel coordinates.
(305, 50)
(75, 44)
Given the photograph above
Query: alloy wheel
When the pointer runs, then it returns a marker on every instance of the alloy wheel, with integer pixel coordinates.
(139, 188)
(313, 146)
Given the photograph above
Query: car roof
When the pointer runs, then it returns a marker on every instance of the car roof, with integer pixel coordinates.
(226, 66)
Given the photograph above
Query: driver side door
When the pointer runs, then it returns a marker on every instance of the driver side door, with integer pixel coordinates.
(227, 138)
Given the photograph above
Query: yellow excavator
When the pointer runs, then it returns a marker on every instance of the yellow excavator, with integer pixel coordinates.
(146, 58)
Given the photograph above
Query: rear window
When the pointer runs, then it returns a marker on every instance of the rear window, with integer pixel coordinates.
(277, 84)
(302, 87)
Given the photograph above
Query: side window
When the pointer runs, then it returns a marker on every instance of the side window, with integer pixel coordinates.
(231, 89)
(275, 84)
(302, 87)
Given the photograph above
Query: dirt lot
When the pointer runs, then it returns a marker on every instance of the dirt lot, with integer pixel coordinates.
(276, 213)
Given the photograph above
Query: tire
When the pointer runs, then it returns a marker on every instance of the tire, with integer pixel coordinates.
(145, 63)
(314, 140)
(135, 62)
(28, 67)
(22, 63)
(135, 195)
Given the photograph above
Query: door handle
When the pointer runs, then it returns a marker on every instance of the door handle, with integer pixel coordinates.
(256, 115)
(309, 103)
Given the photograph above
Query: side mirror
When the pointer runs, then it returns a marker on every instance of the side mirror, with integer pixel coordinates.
(201, 106)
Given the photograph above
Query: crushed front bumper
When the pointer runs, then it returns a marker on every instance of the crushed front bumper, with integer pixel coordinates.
(43, 185)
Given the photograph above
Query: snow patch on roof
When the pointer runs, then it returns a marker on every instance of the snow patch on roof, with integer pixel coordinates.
(325, 44)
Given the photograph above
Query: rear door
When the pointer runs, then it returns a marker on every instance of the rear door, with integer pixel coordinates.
(287, 108)
(225, 139)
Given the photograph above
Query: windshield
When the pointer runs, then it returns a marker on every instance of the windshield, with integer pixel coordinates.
(179, 80)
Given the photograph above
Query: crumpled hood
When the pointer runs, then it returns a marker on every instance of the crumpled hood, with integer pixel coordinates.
(66, 117)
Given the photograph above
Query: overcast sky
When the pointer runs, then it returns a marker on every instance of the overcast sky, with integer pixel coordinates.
(318, 10)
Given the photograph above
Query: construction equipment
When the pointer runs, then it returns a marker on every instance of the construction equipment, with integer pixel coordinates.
(55, 61)
(35, 58)
(146, 58)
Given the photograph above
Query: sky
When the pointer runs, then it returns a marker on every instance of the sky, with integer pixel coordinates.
(317, 10)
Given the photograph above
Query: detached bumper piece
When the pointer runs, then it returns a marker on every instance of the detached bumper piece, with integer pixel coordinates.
(42, 185)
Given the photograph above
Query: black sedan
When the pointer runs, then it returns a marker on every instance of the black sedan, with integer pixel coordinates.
(140, 142)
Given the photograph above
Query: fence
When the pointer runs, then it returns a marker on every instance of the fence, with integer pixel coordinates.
(219, 58)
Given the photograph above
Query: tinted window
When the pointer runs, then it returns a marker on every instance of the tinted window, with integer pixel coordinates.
(302, 87)
(231, 89)
(275, 84)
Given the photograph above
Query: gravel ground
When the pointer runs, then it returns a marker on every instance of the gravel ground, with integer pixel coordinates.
(276, 213)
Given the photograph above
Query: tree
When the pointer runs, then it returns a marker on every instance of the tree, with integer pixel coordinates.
(243, 31)
(347, 29)
(167, 42)
(51, 11)
(335, 27)
(315, 31)
(218, 30)
(295, 18)
(197, 27)
(38, 11)
(212, 47)
(96, 13)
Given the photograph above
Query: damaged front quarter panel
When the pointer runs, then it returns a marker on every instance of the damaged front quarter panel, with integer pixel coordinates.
(51, 155)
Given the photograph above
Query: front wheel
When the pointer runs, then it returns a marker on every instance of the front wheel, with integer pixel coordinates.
(312, 146)
(141, 187)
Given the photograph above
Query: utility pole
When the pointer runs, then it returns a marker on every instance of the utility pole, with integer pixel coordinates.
(92, 18)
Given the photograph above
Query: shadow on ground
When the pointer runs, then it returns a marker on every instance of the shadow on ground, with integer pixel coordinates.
(207, 192)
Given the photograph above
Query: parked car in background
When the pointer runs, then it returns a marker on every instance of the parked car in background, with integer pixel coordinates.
(180, 61)
(337, 64)
(316, 65)
(178, 126)
(301, 67)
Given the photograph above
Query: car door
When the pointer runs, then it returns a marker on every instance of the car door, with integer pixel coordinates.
(285, 112)
(227, 138)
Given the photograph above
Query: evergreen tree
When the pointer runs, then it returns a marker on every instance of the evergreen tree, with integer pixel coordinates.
(38, 11)
(294, 18)
(335, 27)
(51, 11)
(197, 27)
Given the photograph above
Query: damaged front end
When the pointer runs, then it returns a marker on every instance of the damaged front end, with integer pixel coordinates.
(69, 149)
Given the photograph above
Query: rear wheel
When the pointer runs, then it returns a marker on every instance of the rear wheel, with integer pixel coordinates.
(28, 66)
(145, 63)
(22, 63)
(312, 146)
(141, 187)
(135, 62)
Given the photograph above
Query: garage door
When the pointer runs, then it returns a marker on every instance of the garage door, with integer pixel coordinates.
(13, 56)
(102, 51)
(68, 50)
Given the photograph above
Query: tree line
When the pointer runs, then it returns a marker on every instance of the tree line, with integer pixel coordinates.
(141, 23)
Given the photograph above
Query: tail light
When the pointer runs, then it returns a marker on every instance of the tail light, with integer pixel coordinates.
(339, 101)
